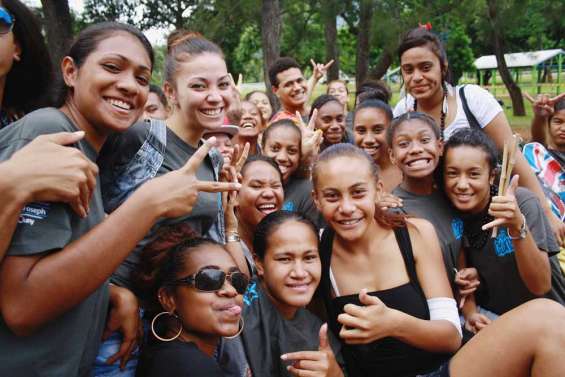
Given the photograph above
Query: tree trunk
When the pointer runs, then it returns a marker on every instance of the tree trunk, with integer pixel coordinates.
(385, 60)
(513, 89)
(59, 26)
(363, 41)
(270, 40)
(330, 34)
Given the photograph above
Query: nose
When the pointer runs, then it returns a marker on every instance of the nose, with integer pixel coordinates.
(462, 183)
(227, 289)
(128, 83)
(298, 270)
(268, 193)
(369, 139)
(214, 95)
(417, 75)
(415, 148)
(282, 156)
(296, 86)
(335, 126)
(346, 206)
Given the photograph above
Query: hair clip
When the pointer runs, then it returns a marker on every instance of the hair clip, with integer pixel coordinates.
(427, 26)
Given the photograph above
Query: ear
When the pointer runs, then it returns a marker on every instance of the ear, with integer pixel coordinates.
(274, 89)
(440, 145)
(69, 71)
(391, 156)
(316, 200)
(166, 300)
(171, 94)
(259, 266)
(17, 51)
(380, 188)
(492, 176)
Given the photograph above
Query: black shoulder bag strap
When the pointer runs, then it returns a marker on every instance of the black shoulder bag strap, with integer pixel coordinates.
(468, 114)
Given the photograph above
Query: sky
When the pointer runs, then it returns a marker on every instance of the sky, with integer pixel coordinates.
(155, 36)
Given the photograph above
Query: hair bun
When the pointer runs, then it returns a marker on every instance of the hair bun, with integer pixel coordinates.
(179, 36)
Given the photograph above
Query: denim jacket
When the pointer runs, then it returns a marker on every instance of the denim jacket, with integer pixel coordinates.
(119, 182)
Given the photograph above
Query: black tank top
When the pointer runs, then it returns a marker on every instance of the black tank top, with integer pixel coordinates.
(388, 356)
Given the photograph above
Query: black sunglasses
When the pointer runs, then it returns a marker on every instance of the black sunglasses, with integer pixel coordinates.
(211, 280)
(6, 21)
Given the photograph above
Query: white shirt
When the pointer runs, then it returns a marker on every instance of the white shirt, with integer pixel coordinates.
(481, 103)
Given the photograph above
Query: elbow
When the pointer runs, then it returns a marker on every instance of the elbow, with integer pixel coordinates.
(454, 342)
(540, 288)
(19, 319)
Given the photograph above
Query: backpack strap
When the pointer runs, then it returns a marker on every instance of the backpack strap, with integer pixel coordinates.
(405, 246)
(468, 114)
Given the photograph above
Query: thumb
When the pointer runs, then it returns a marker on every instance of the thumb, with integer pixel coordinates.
(513, 185)
(367, 300)
(313, 63)
(65, 138)
(324, 343)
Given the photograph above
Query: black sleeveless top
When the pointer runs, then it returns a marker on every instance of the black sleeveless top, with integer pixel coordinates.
(388, 356)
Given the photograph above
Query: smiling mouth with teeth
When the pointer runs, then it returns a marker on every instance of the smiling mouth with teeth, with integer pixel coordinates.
(119, 104)
(247, 125)
(267, 207)
(349, 222)
(418, 162)
(212, 112)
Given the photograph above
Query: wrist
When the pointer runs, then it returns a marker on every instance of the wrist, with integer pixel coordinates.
(14, 190)
(148, 200)
(519, 230)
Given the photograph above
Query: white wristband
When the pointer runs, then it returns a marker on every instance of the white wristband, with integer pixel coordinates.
(445, 308)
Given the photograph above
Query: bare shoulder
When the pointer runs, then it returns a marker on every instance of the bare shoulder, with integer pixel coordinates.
(423, 237)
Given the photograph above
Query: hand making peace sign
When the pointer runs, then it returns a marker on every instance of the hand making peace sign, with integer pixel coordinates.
(311, 138)
(176, 192)
(543, 104)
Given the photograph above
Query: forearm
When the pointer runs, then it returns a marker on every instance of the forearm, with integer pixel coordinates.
(538, 127)
(470, 306)
(529, 181)
(236, 251)
(533, 265)
(312, 82)
(61, 280)
(433, 336)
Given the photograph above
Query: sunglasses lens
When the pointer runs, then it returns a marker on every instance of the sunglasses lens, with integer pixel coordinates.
(209, 280)
(239, 281)
(6, 21)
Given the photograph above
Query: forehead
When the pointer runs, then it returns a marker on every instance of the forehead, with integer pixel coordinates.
(465, 156)
(284, 135)
(208, 255)
(370, 115)
(419, 54)
(260, 170)
(292, 237)
(248, 106)
(258, 96)
(413, 128)
(153, 98)
(291, 74)
(339, 173)
(209, 66)
(125, 45)
(330, 107)
(337, 85)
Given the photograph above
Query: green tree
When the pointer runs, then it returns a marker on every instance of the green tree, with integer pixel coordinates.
(459, 51)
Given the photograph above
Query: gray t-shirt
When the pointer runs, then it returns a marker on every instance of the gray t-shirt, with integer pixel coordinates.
(66, 346)
(501, 284)
(449, 228)
(119, 150)
(298, 198)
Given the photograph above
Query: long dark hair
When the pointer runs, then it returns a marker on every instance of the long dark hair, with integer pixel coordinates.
(28, 83)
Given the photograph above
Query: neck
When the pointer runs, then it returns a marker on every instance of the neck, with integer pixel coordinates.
(430, 104)
(252, 140)
(288, 312)
(418, 186)
(384, 161)
(292, 109)
(205, 343)
(185, 131)
(2, 88)
(246, 234)
(93, 136)
(363, 244)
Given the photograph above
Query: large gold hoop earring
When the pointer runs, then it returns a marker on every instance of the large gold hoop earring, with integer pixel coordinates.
(240, 329)
(155, 333)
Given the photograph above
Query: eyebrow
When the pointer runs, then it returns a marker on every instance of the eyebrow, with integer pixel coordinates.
(122, 57)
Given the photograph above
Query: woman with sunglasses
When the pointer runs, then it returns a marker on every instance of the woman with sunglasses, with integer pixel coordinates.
(281, 337)
(53, 303)
(193, 292)
(25, 65)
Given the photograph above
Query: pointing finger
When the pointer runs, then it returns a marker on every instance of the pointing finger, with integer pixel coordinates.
(194, 162)
(493, 223)
(212, 186)
(528, 97)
